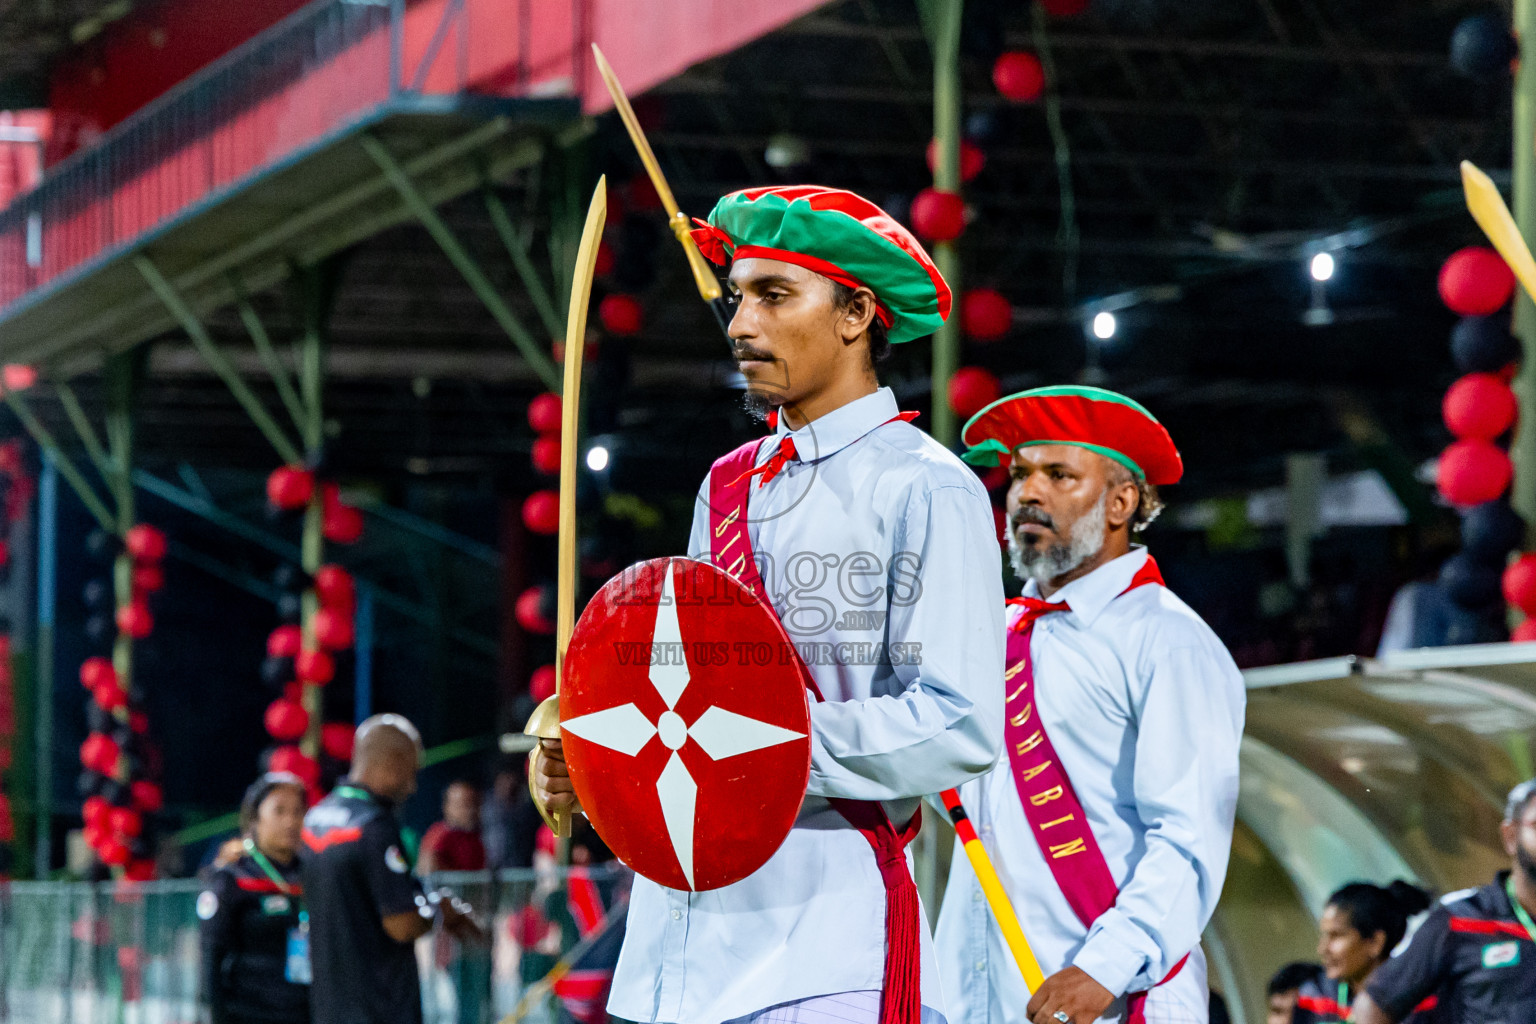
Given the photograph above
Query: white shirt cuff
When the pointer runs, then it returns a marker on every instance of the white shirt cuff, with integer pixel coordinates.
(1110, 961)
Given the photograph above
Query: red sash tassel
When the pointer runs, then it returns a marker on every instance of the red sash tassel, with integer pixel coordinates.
(731, 549)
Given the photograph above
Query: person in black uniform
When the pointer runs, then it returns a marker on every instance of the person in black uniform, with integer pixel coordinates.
(1361, 925)
(255, 961)
(366, 907)
(1477, 950)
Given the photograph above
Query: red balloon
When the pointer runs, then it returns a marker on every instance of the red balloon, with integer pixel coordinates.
(541, 512)
(336, 739)
(333, 628)
(1064, 8)
(144, 543)
(621, 315)
(937, 215)
(97, 672)
(99, 753)
(542, 683)
(294, 691)
(292, 759)
(342, 524)
(544, 413)
(314, 667)
(1519, 583)
(135, 620)
(1019, 76)
(290, 487)
(972, 159)
(142, 870)
(95, 810)
(330, 496)
(335, 587)
(95, 836)
(546, 455)
(971, 389)
(286, 720)
(114, 852)
(148, 578)
(147, 796)
(529, 614)
(603, 265)
(138, 721)
(285, 642)
(1525, 632)
(125, 821)
(110, 696)
(1476, 281)
(1472, 472)
(1479, 405)
(985, 314)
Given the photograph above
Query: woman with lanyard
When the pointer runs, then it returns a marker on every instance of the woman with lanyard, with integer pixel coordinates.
(1360, 927)
(255, 932)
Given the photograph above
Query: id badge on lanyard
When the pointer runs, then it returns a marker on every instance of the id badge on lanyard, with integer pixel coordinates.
(297, 969)
(296, 966)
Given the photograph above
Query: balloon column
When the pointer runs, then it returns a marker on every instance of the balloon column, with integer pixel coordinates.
(317, 614)
(16, 488)
(1475, 471)
(121, 765)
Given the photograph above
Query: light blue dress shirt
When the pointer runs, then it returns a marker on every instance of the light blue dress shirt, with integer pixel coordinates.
(1144, 708)
(878, 550)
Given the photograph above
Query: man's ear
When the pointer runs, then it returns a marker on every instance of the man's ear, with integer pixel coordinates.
(1510, 833)
(855, 318)
(1124, 499)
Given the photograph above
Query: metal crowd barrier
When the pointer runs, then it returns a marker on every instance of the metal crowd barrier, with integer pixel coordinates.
(81, 953)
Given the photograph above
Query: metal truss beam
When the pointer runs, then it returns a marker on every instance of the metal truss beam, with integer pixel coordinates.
(462, 261)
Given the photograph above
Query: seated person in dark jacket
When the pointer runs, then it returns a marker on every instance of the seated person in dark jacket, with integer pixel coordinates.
(255, 931)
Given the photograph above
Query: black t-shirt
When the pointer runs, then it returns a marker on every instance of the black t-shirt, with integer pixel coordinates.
(247, 919)
(1474, 953)
(356, 875)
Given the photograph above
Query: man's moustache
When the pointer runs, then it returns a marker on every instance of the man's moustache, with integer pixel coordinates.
(1033, 516)
(744, 354)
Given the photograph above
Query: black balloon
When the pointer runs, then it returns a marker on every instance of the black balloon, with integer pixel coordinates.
(1482, 46)
(1468, 582)
(102, 545)
(276, 672)
(100, 629)
(290, 577)
(289, 607)
(115, 792)
(97, 594)
(1490, 531)
(89, 784)
(1483, 344)
(97, 718)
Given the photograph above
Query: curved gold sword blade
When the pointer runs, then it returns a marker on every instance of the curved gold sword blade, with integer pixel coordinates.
(545, 720)
(703, 275)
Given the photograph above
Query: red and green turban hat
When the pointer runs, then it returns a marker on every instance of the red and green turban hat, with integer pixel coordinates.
(838, 235)
(1102, 421)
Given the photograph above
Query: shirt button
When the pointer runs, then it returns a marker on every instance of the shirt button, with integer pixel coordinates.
(976, 896)
(677, 915)
(981, 965)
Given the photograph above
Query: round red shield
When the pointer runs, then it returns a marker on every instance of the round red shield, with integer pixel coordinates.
(685, 723)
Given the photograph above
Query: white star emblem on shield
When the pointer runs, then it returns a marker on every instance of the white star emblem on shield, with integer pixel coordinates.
(718, 732)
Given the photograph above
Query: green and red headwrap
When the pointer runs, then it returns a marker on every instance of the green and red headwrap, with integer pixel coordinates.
(839, 235)
(1101, 421)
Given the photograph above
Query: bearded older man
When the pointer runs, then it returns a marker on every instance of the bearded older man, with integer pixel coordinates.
(1109, 815)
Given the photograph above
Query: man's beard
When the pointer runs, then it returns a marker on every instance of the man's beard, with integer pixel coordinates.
(759, 404)
(1047, 561)
(1526, 860)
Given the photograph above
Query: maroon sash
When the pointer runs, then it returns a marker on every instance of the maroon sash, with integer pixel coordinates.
(731, 549)
(1050, 803)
